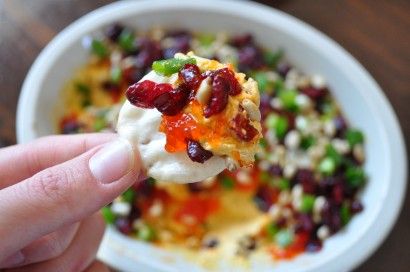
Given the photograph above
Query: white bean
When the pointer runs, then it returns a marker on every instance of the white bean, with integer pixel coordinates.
(289, 170)
(121, 208)
(323, 232)
(318, 81)
(358, 152)
(292, 139)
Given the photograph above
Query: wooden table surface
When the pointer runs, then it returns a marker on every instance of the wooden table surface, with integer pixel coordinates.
(375, 32)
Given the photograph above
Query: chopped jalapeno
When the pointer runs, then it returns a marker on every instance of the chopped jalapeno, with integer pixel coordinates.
(108, 215)
(126, 40)
(86, 103)
(278, 123)
(355, 176)
(151, 181)
(116, 75)
(85, 92)
(281, 127)
(206, 39)
(227, 182)
(327, 166)
(99, 124)
(271, 120)
(272, 58)
(307, 142)
(129, 195)
(329, 110)
(345, 214)
(263, 143)
(271, 230)
(288, 98)
(262, 81)
(171, 66)
(334, 155)
(284, 238)
(146, 233)
(279, 85)
(283, 184)
(83, 89)
(354, 136)
(307, 203)
(99, 48)
(264, 177)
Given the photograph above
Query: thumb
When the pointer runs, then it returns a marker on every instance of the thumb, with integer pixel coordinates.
(65, 193)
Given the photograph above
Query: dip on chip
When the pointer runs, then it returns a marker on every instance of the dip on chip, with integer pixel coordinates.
(191, 118)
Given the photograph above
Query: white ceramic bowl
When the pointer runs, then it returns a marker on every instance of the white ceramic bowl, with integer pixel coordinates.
(361, 98)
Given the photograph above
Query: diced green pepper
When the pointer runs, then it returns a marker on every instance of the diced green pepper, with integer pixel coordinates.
(283, 184)
(307, 142)
(146, 233)
(262, 81)
(334, 155)
(345, 214)
(279, 85)
(264, 177)
(116, 75)
(327, 166)
(86, 102)
(281, 127)
(288, 98)
(272, 58)
(277, 123)
(206, 39)
(263, 143)
(83, 89)
(227, 182)
(99, 124)
(129, 195)
(108, 215)
(271, 230)
(329, 110)
(271, 120)
(355, 176)
(85, 92)
(126, 40)
(171, 66)
(307, 203)
(99, 48)
(284, 238)
(354, 136)
(151, 181)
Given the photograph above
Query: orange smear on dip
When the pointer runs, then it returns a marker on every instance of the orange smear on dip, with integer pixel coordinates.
(191, 124)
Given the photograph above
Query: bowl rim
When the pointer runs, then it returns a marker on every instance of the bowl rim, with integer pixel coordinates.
(391, 130)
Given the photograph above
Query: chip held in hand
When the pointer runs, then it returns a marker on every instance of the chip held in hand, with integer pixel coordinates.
(190, 118)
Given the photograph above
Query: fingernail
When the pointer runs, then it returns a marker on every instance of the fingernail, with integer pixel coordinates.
(112, 162)
(13, 260)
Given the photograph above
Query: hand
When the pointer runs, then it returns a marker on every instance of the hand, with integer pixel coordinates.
(50, 194)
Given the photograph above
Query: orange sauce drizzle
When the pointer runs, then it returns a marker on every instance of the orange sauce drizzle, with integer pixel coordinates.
(191, 124)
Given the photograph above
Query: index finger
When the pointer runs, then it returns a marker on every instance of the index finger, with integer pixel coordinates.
(23, 161)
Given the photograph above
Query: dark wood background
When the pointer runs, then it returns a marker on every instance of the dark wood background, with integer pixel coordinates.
(377, 33)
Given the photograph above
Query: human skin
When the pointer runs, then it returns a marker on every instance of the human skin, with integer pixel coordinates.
(50, 193)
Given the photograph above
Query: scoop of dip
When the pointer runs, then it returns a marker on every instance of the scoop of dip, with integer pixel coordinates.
(191, 118)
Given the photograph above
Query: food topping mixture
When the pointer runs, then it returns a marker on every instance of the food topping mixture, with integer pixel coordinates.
(207, 109)
(304, 186)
